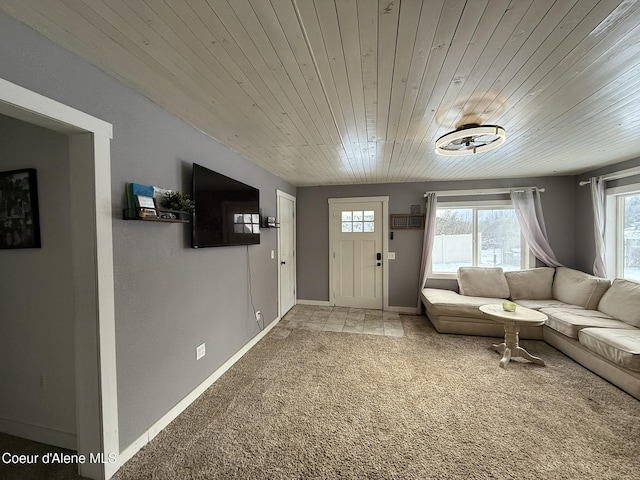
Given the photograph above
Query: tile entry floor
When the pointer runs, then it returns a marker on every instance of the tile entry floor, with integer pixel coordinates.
(342, 319)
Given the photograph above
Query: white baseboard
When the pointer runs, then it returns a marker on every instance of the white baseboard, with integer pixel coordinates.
(168, 417)
(325, 303)
(407, 310)
(320, 303)
(38, 433)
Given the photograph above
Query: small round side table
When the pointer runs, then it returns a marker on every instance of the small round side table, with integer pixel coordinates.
(512, 322)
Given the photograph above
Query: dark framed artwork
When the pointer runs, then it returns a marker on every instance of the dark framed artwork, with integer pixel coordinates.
(19, 220)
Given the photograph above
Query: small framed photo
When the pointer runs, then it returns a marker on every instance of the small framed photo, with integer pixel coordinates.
(19, 215)
(146, 206)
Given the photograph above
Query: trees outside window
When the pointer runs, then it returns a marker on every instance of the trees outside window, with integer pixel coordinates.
(483, 236)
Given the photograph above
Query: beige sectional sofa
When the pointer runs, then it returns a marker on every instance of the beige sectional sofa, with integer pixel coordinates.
(592, 320)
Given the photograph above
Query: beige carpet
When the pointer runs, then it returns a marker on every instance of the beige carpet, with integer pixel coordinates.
(425, 406)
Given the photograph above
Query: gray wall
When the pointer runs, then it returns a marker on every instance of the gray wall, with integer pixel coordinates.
(558, 203)
(169, 298)
(36, 311)
(584, 213)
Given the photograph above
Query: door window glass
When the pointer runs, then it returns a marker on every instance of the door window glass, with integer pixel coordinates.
(358, 221)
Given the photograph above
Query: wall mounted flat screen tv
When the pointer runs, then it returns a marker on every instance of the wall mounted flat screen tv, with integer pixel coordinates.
(227, 212)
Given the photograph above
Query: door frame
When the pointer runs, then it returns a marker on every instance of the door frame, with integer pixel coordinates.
(92, 259)
(281, 194)
(385, 244)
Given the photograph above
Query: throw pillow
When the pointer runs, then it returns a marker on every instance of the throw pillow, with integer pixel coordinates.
(532, 284)
(482, 282)
(621, 301)
(579, 288)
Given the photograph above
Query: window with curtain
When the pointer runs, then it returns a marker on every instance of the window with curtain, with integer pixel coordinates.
(622, 232)
(480, 234)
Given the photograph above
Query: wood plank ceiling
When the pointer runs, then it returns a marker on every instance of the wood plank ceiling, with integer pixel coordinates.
(357, 91)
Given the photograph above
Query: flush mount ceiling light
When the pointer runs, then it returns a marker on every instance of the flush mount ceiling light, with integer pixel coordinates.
(470, 139)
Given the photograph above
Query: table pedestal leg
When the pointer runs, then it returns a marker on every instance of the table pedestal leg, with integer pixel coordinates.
(511, 348)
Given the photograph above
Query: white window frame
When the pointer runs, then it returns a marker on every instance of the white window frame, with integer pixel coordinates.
(528, 259)
(613, 234)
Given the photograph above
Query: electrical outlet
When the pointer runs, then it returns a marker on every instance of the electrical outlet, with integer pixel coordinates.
(200, 351)
(258, 313)
(391, 255)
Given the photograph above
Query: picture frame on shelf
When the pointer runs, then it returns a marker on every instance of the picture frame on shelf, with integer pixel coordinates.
(19, 213)
(146, 206)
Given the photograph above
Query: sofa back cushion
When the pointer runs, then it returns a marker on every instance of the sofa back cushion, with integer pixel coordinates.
(579, 288)
(622, 301)
(531, 284)
(482, 282)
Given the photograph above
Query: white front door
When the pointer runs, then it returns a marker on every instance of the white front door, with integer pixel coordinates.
(286, 252)
(357, 254)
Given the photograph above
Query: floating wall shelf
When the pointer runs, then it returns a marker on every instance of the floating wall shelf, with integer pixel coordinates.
(166, 216)
(270, 222)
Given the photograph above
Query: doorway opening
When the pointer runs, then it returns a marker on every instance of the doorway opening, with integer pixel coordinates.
(92, 268)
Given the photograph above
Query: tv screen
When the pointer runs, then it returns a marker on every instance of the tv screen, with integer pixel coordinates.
(227, 212)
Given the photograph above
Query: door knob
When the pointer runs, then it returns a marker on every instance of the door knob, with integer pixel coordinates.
(282, 262)
(378, 256)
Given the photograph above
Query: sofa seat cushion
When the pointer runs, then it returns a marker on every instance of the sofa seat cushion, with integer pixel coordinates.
(622, 301)
(621, 346)
(488, 282)
(569, 321)
(545, 303)
(578, 288)
(447, 302)
(532, 284)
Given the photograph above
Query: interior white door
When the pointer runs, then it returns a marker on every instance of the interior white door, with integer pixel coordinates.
(357, 254)
(286, 253)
